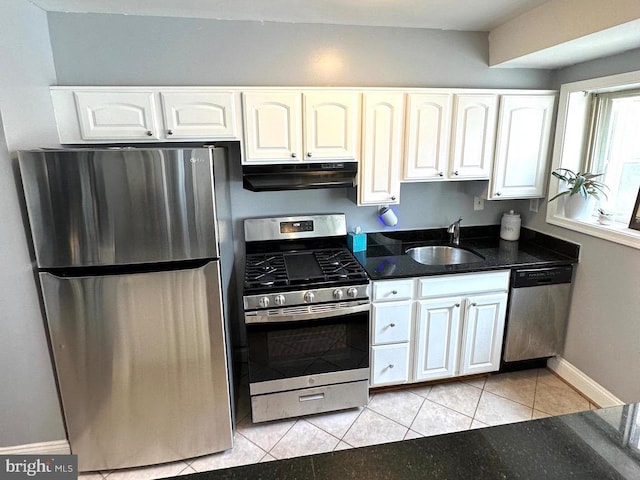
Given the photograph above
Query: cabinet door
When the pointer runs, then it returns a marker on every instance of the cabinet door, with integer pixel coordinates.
(428, 129)
(381, 148)
(391, 322)
(331, 125)
(473, 136)
(437, 338)
(104, 115)
(522, 147)
(483, 333)
(390, 364)
(272, 126)
(199, 114)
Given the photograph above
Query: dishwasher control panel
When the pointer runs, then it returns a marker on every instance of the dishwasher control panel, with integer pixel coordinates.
(534, 277)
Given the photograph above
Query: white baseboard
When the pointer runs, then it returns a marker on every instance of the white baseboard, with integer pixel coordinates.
(583, 383)
(57, 447)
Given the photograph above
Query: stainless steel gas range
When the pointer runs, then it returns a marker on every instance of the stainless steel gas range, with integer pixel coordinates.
(306, 310)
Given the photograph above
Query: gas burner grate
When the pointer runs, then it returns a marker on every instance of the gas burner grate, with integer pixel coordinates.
(265, 271)
(270, 270)
(339, 265)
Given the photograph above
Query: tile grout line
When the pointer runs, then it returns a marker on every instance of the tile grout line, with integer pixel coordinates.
(475, 412)
(353, 423)
(414, 419)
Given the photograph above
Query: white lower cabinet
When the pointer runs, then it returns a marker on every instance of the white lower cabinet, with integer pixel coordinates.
(451, 325)
(437, 338)
(483, 332)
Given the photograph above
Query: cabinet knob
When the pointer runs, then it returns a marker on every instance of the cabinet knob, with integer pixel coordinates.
(394, 292)
(169, 132)
(498, 194)
(474, 304)
(456, 172)
(293, 155)
(393, 197)
(391, 366)
(309, 154)
(149, 133)
(392, 325)
(441, 174)
(457, 305)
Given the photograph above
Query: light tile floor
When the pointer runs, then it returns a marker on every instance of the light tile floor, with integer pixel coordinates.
(390, 416)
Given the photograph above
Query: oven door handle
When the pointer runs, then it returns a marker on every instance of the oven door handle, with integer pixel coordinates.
(311, 313)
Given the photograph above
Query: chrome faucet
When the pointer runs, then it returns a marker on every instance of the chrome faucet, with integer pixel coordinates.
(454, 232)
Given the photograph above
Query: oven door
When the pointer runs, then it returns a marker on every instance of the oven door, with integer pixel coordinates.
(289, 353)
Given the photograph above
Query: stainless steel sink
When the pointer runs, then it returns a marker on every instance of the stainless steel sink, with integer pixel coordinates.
(442, 255)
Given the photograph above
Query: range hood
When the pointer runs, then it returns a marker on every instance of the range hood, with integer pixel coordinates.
(299, 176)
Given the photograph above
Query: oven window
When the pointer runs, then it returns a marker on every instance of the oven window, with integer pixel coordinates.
(294, 349)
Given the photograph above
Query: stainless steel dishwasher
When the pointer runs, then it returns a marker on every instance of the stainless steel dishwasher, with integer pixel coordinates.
(537, 315)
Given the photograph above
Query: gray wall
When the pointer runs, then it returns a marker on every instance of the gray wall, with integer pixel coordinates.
(134, 50)
(603, 338)
(29, 406)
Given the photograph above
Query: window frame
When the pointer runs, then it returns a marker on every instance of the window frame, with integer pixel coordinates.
(572, 146)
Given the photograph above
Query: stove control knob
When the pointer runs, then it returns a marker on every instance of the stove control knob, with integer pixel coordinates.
(352, 292)
(263, 302)
(308, 297)
(338, 294)
(279, 299)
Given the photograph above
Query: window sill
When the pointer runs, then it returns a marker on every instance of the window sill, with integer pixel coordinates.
(617, 233)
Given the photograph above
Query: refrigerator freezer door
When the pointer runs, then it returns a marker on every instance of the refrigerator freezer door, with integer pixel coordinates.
(118, 207)
(142, 366)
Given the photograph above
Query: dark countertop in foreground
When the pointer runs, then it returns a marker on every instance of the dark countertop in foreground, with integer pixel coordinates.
(385, 258)
(598, 444)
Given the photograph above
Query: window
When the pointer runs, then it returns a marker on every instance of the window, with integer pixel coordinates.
(616, 150)
(598, 130)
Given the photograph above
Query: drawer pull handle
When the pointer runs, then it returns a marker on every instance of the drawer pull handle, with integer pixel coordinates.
(392, 325)
(391, 366)
(313, 396)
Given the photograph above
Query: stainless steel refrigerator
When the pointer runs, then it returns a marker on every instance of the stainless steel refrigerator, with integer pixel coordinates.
(128, 256)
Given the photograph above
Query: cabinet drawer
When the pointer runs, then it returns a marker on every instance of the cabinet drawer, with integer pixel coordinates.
(392, 290)
(391, 322)
(463, 284)
(390, 364)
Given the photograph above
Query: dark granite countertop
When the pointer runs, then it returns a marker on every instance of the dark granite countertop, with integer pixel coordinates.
(592, 445)
(385, 257)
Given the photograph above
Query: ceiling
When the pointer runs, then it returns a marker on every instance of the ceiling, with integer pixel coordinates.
(467, 15)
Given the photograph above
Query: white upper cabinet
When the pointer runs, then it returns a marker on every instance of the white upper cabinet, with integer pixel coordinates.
(272, 126)
(331, 125)
(382, 139)
(522, 146)
(116, 114)
(126, 115)
(474, 126)
(290, 126)
(428, 128)
(199, 114)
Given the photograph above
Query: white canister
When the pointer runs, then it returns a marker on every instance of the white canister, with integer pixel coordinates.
(510, 226)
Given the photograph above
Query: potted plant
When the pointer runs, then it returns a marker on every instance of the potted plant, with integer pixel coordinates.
(580, 192)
